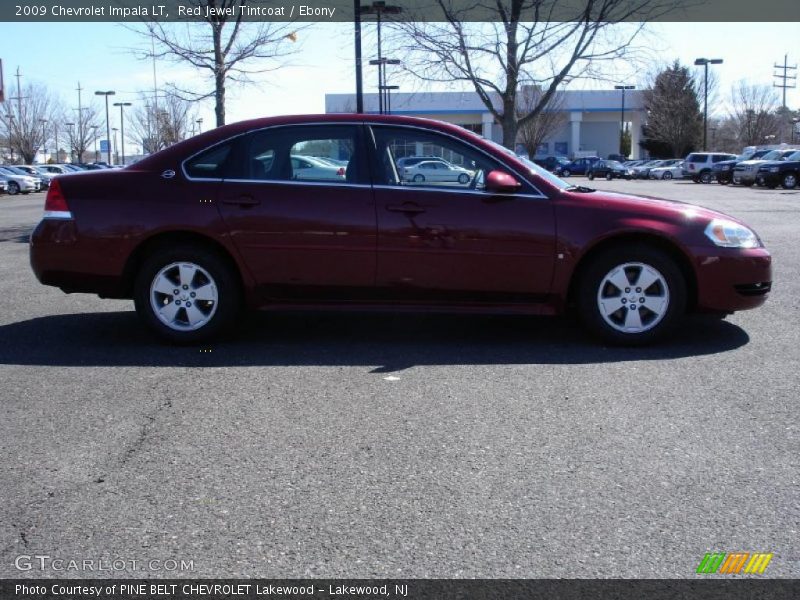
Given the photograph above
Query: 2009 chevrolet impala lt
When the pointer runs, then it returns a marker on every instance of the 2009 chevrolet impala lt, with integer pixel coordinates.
(320, 211)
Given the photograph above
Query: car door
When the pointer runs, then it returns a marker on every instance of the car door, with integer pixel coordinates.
(302, 237)
(454, 241)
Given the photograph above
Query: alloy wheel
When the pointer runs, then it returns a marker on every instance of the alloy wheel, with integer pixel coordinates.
(184, 296)
(633, 297)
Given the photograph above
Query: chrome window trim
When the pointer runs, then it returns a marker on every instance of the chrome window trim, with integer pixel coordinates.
(459, 191)
(298, 182)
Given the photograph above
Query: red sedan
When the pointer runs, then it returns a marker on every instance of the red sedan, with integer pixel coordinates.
(224, 220)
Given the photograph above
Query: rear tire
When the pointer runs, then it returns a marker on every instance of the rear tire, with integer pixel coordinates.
(591, 175)
(609, 176)
(608, 289)
(187, 294)
(705, 177)
(667, 175)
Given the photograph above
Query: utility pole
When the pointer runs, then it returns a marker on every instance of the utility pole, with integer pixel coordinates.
(785, 78)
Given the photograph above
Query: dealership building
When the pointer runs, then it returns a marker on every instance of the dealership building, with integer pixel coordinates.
(591, 123)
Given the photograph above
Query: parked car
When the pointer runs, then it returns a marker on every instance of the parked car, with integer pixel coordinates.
(579, 166)
(746, 171)
(781, 172)
(56, 169)
(43, 176)
(436, 171)
(609, 169)
(669, 171)
(18, 183)
(17, 170)
(552, 163)
(3, 185)
(410, 161)
(517, 238)
(698, 165)
(642, 171)
(311, 168)
(723, 170)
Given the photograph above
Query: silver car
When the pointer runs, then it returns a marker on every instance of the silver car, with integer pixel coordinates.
(436, 171)
(18, 184)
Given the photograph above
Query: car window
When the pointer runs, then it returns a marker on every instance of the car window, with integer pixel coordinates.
(209, 164)
(720, 157)
(695, 158)
(460, 166)
(313, 154)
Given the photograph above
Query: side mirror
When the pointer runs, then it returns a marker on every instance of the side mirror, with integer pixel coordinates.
(500, 182)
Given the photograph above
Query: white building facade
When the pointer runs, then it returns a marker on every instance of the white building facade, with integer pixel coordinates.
(592, 118)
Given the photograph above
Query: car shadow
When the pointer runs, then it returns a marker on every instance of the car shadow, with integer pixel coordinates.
(386, 342)
(20, 234)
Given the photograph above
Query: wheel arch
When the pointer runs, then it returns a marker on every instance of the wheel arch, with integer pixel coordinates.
(653, 240)
(165, 238)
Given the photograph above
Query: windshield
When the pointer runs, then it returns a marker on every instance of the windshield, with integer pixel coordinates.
(614, 164)
(534, 168)
(773, 155)
(794, 155)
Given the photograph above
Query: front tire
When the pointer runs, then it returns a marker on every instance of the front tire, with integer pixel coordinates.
(667, 175)
(591, 175)
(418, 178)
(789, 181)
(187, 294)
(13, 188)
(609, 176)
(705, 177)
(631, 296)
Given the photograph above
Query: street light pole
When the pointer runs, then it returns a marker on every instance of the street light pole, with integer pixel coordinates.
(359, 77)
(622, 115)
(704, 62)
(379, 8)
(116, 154)
(108, 124)
(44, 141)
(94, 135)
(122, 127)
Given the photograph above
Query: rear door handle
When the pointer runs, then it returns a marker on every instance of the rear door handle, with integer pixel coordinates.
(407, 207)
(242, 201)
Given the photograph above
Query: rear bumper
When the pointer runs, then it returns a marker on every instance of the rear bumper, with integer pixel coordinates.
(732, 280)
(60, 259)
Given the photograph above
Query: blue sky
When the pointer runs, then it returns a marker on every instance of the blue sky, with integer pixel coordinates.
(99, 56)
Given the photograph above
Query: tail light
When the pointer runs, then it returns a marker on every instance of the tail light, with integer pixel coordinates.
(340, 172)
(55, 204)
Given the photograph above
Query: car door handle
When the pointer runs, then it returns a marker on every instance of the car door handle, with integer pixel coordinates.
(242, 201)
(407, 207)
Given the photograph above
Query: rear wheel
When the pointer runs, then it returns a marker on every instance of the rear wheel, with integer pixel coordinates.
(463, 178)
(609, 176)
(631, 296)
(187, 294)
(705, 176)
(667, 175)
(566, 172)
(590, 175)
(419, 178)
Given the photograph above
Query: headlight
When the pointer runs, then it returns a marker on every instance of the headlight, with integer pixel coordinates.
(774, 169)
(728, 234)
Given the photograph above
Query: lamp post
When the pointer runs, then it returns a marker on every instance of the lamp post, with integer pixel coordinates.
(199, 125)
(94, 135)
(122, 105)
(108, 124)
(116, 154)
(70, 125)
(378, 9)
(44, 141)
(622, 115)
(704, 62)
(388, 90)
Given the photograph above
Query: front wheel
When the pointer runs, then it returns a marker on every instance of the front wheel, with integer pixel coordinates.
(565, 172)
(463, 178)
(591, 175)
(13, 188)
(418, 178)
(187, 294)
(667, 175)
(609, 176)
(705, 177)
(789, 181)
(631, 296)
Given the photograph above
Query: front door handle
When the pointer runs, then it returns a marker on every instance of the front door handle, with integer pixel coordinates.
(411, 208)
(242, 201)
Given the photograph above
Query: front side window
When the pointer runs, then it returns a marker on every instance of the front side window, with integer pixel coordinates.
(314, 154)
(210, 164)
(451, 164)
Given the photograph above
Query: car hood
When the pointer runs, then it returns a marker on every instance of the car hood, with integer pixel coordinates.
(651, 207)
(756, 161)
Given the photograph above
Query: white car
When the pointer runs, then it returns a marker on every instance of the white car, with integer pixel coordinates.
(436, 171)
(673, 171)
(34, 171)
(18, 184)
(313, 168)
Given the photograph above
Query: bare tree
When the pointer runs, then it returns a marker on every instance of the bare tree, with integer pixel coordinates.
(533, 132)
(224, 47)
(82, 132)
(24, 120)
(545, 43)
(755, 113)
(157, 127)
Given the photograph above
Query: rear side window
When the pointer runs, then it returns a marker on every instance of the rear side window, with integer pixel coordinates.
(720, 157)
(696, 158)
(209, 164)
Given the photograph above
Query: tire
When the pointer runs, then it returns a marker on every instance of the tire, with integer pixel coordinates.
(789, 181)
(609, 176)
(418, 178)
(604, 307)
(190, 269)
(667, 175)
(705, 176)
(565, 172)
(695, 179)
(463, 178)
(747, 183)
(590, 175)
(13, 188)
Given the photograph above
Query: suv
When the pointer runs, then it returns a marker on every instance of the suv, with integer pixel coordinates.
(698, 165)
(579, 166)
(723, 170)
(746, 172)
(780, 172)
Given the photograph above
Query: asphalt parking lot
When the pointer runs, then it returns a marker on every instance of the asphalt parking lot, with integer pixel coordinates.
(332, 445)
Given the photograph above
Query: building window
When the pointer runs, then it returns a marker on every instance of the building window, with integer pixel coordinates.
(560, 148)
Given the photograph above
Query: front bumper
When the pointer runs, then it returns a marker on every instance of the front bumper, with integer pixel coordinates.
(730, 279)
